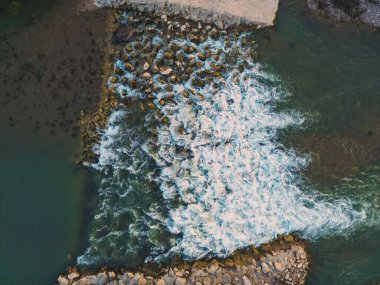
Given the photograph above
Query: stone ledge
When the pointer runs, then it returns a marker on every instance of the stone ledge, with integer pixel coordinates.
(223, 13)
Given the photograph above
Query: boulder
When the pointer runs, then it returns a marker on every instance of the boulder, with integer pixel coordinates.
(146, 75)
(279, 266)
(74, 275)
(146, 66)
(207, 281)
(62, 280)
(265, 267)
(165, 70)
(245, 280)
(101, 279)
(180, 281)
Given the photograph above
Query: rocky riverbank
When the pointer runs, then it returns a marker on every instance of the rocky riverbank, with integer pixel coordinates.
(364, 11)
(284, 261)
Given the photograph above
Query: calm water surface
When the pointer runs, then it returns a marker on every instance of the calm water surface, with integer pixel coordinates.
(41, 188)
(40, 208)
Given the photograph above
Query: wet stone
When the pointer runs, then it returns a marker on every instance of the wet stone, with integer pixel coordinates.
(246, 281)
(180, 281)
(265, 267)
(146, 66)
(166, 70)
(63, 280)
(146, 75)
(129, 67)
(207, 281)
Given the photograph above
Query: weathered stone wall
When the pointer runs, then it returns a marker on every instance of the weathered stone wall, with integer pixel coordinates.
(223, 13)
(282, 262)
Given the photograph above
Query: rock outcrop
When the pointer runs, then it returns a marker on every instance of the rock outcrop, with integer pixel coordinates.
(365, 11)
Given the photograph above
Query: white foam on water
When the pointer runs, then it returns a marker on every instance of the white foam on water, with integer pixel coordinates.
(239, 185)
(129, 218)
(221, 156)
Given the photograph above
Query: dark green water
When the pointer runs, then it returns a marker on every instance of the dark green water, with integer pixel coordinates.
(333, 74)
(40, 208)
(41, 188)
(23, 12)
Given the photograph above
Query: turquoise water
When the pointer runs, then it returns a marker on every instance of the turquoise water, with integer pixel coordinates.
(40, 208)
(333, 74)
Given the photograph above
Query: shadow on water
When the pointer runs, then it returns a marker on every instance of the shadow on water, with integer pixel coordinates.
(332, 71)
(51, 61)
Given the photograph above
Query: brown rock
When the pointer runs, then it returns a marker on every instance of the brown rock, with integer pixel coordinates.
(180, 281)
(63, 280)
(288, 238)
(279, 266)
(246, 281)
(129, 67)
(119, 71)
(141, 281)
(74, 275)
(114, 79)
(124, 80)
(154, 69)
(207, 281)
(146, 66)
(165, 70)
(146, 75)
(229, 262)
(265, 267)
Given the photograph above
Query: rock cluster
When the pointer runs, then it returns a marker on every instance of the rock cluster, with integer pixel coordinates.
(150, 66)
(150, 58)
(222, 13)
(282, 262)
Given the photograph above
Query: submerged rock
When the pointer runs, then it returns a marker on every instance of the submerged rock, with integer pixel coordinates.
(123, 34)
